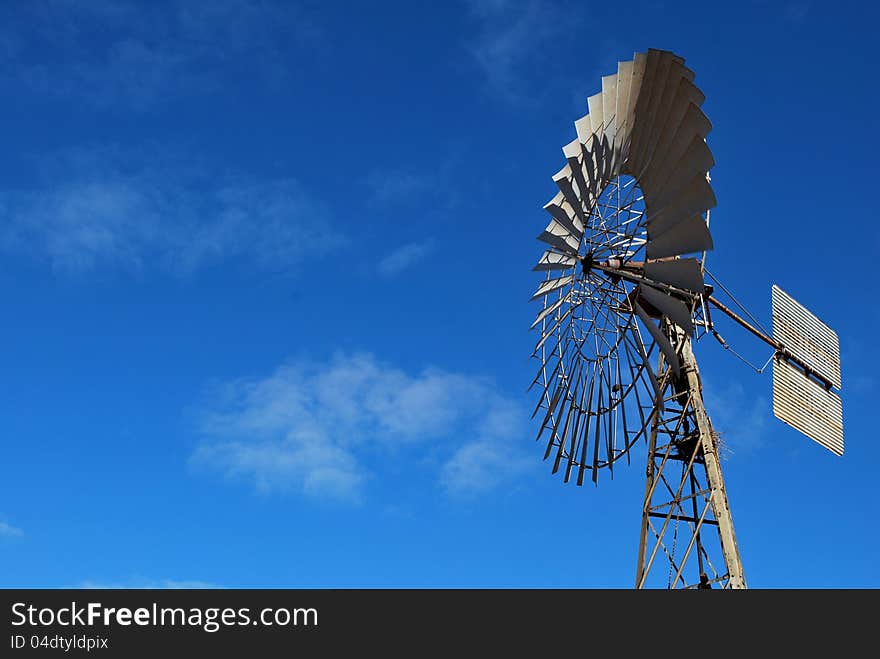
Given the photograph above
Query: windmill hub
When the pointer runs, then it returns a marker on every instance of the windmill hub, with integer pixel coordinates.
(587, 262)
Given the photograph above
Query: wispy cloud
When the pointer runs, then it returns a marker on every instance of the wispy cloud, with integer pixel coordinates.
(389, 187)
(100, 207)
(324, 429)
(514, 39)
(404, 256)
(797, 11)
(739, 416)
(111, 51)
(9, 531)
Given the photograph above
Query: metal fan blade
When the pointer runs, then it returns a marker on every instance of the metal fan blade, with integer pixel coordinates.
(559, 237)
(687, 237)
(571, 399)
(568, 198)
(636, 340)
(555, 261)
(694, 124)
(586, 435)
(604, 159)
(653, 108)
(591, 164)
(574, 156)
(559, 208)
(548, 310)
(594, 102)
(565, 429)
(556, 323)
(667, 112)
(624, 83)
(609, 113)
(584, 129)
(696, 197)
(551, 285)
(662, 342)
(558, 394)
(635, 92)
(672, 308)
(658, 159)
(682, 273)
(640, 118)
(596, 438)
(697, 159)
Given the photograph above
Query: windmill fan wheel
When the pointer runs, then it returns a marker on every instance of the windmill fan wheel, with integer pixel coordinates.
(633, 203)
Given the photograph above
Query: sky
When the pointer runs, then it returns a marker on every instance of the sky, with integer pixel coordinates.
(266, 270)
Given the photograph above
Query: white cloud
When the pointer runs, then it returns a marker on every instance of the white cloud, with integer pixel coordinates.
(514, 39)
(740, 417)
(102, 208)
(395, 186)
(324, 429)
(9, 531)
(110, 52)
(404, 256)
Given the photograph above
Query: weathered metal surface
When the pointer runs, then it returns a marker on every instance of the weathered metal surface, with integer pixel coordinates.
(805, 336)
(683, 273)
(685, 484)
(807, 406)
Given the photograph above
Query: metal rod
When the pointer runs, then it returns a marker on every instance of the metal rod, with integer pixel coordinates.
(683, 518)
(780, 349)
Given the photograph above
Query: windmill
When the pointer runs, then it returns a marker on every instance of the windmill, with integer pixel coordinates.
(624, 300)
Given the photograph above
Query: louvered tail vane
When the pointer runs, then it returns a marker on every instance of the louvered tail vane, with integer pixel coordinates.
(806, 369)
(802, 397)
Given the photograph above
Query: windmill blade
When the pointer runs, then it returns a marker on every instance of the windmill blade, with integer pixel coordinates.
(673, 308)
(696, 198)
(569, 198)
(694, 124)
(624, 84)
(604, 159)
(554, 434)
(591, 166)
(667, 149)
(662, 342)
(696, 160)
(668, 112)
(586, 195)
(559, 208)
(555, 261)
(635, 89)
(549, 310)
(584, 437)
(559, 237)
(655, 112)
(550, 331)
(687, 237)
(595, 104)
(686, 274)
(551, 285)
(609, 113)
(584, 129)
(640, 109)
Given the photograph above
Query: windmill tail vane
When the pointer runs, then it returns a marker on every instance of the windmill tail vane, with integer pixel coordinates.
(623, 301)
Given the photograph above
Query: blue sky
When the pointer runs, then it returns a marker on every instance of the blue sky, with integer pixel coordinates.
(266, 270)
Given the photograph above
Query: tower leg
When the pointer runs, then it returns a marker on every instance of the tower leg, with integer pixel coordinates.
(684, 492)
